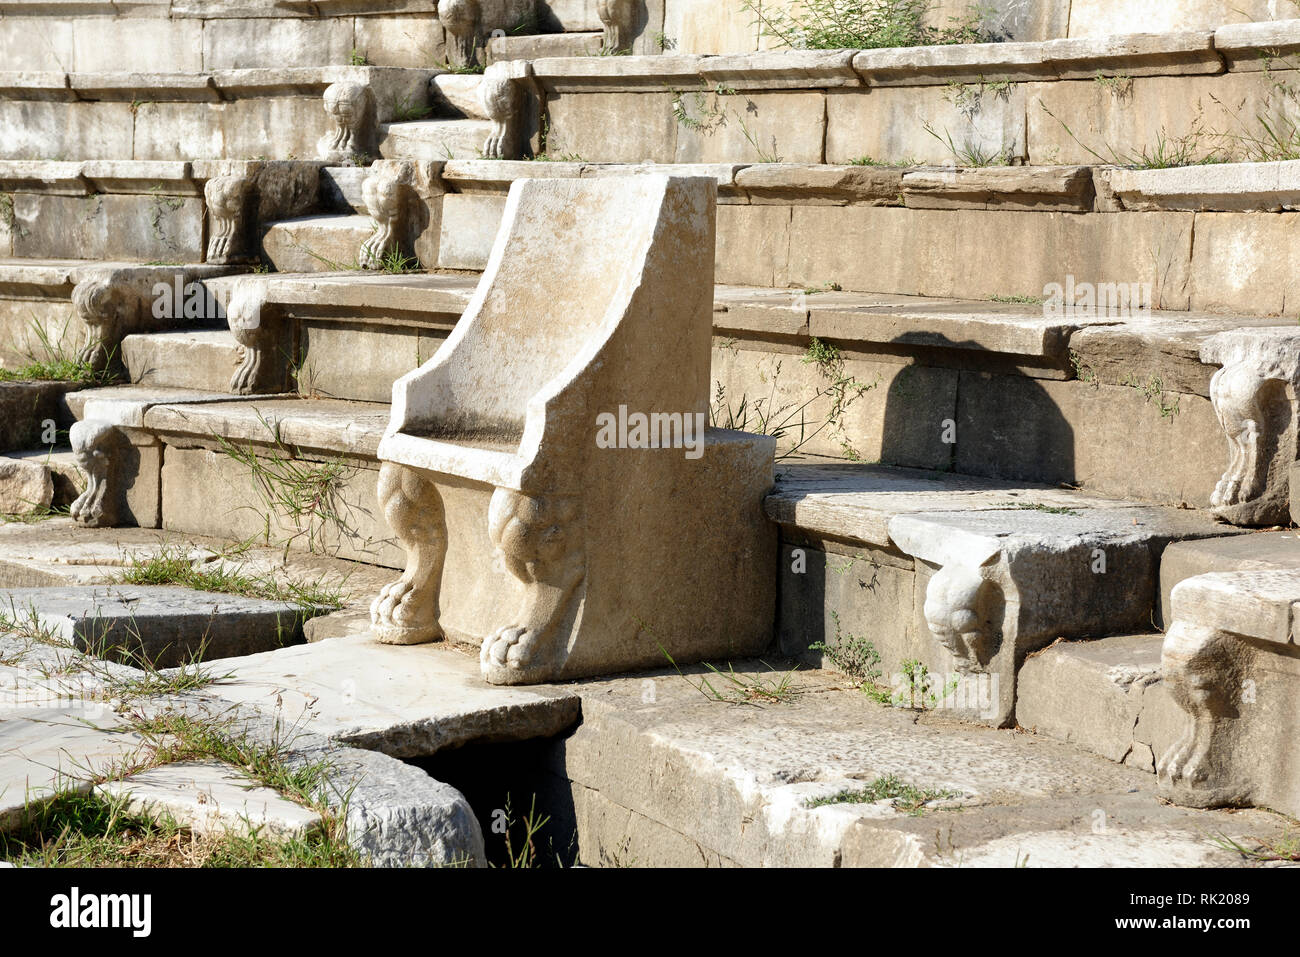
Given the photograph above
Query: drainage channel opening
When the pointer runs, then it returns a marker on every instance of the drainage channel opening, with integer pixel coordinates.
(520, 796)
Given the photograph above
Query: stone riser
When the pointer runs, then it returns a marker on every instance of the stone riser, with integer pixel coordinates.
(1069, 432)
(701, 26)
(145, 227)
(918, 252)
(1006, 425)
(205, 492)
(878, 596)
(888, 123)
(236, 114)
(192, 45)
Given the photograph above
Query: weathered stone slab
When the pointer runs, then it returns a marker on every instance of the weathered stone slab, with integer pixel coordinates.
(756, 127)
(1220, 186)
(126, 405)
(193, 360)
(990, 327)
(608, 73)
(1105, 696)
(457, 95)
(1255, 47)
(919, 251)
(1090, 435)
(1067, 188)
(732, 785)
(1165, 346)
(63, 558)
(316, 243)
(232, 44)
(434, 140)
(857, 502)
(60, 463)
(1230, 660)
(469, 228)
(207, 493)
(1265, 551)
(323, 425)
(165, 625)
(617, 127)
(1245, 263)
(406, 702)
(47, 176)
(25, 486)
(782, 70)
(540, 45)
(47, 750)
(930, 65)
(211, 799)
(790, 183)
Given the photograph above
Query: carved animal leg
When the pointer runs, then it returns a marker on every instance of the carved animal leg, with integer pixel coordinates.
(953, 610)
(502, 100)
(1201, 677)
(93, 444)
(244, 381)
(540, 541)
(246, 314)
(1235, 393)
(406, 611)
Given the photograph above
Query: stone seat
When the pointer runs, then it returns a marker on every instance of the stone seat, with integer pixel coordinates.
(595, 303)
(220, 113)
(965, 575)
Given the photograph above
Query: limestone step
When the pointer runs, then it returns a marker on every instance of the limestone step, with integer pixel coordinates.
(970, 104)
(34, 481)
(434, 140)
(134, 210)
(211, 798)
(54, 745)
(404, 701)
(1107, 696)
(341, 188)
(60, 735)
(160, 624)
(1262, 551)
(901, 230)
(544, 45)
(197, 36)
(182, 478)
(199, 359)
(886, 559)
(226, 114)
(659, 774)
(456, 96)
(37, 321)
(1102, 392)
(316, 243)
(353, 334)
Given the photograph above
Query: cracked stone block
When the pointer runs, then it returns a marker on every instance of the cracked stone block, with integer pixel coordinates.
(166, 625)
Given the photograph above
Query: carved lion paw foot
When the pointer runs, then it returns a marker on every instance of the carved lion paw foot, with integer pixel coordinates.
(219, 248)
(244, 381)
(516, 654)
(1227, 492)
(397, 619)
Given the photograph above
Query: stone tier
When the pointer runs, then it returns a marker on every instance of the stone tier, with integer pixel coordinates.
(226, 114)
(1090, 393)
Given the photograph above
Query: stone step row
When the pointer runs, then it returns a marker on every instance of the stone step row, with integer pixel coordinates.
(975, 104)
